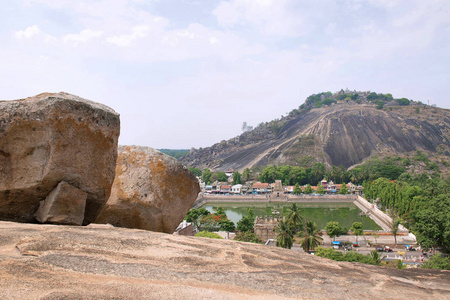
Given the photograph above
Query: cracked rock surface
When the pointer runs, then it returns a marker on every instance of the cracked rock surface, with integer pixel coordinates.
(103, 262)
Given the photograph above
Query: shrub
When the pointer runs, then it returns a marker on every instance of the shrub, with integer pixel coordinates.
(207, 234)
(247, 236)
(352, 256)
(437, 262)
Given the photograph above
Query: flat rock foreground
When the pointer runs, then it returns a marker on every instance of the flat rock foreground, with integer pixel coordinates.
(103, 262)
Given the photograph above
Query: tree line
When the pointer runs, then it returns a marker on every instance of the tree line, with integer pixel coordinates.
(421, 203)
(313, 172)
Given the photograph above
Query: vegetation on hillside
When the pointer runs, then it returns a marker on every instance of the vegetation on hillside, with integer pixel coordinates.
(328, 98)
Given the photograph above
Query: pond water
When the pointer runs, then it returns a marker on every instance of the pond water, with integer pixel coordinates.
(320, 213)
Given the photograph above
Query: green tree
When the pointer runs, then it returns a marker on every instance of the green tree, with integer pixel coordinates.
(329, 253)
(335, 173)
(380, 104)
(246, 174)
(285, 235)
(311, 237)
(432, 222)
(372, 96)
(320, 189)
(222, 219)
(308, 189)
(351, 256)
(376, 257)
(197, 172)
(227, 225)
(294, 218)
(206, 176)
(247, 223)
(422, 202)
(194, 215)
(437, 262)
(298, 175)
(343, 190)
(236, 178)
(222, 177)
(357, 229)
(297, 189)
(247, 236)
(269, 174)
(333, 229)
(219, 211)
(403, 101)
(394, 227)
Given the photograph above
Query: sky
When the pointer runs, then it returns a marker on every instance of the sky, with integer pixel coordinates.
(188, 73)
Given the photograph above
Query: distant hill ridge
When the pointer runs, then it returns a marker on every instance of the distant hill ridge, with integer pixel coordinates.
(341, 129)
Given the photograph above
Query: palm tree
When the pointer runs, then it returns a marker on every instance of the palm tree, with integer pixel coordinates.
(285, 236)
(294, 218)
(311, 237)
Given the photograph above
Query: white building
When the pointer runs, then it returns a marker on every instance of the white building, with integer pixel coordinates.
(236, 189)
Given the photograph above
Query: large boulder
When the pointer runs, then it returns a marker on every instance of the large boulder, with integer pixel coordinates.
(151, 191)
(51, 138)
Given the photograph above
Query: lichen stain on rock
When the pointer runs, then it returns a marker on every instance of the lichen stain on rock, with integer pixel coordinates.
(151, 191)
(50, 138)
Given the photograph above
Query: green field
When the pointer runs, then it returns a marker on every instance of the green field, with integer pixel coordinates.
(321, 213)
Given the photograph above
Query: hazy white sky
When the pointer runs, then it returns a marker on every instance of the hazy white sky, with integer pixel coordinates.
(187, 73)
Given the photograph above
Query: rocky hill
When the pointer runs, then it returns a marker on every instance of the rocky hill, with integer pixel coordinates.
(341, 129)
(103, 262)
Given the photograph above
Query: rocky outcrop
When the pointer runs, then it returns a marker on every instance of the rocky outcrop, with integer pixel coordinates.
(151, 191)
(340, 135)
(51, 138)
(102, 262)
(64, 205)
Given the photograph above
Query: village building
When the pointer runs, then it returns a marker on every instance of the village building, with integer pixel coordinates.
(225, 189)
(229, 172)
(236, 189)
(208, 189)
(288, 189)
(354, 189)
(260, 188)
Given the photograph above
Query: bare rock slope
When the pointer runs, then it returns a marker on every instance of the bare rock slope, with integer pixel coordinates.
(344, 134)
(151, 191)
(51, 138)
(102, 262)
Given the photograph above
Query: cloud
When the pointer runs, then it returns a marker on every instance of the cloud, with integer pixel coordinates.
(82, 37)
(125, 40)
(237, 55)
(28, 32)
(33, 32)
